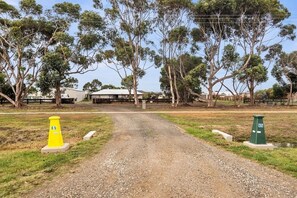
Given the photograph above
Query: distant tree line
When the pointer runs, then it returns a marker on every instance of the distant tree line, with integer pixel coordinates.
(213, 44)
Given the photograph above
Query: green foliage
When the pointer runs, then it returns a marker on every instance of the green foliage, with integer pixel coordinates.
(127, 82)
(195, 74)
(285, 65)
(30, 7)
(71, 11)
(92, 37)
(90, 20)
(230, 56)
(5, 87)
(278, 91)
(27, 34)
(93, 86)
(178, 35)
(71, 82)
(109, 86)
(255, 71)
(55, 70)
(9, 9)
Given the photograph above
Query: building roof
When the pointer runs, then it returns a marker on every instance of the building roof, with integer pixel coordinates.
(73, 89)
(114, 92)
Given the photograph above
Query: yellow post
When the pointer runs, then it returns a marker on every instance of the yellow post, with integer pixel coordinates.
(55, 138)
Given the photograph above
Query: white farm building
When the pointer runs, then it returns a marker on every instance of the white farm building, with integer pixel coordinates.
(114, 94)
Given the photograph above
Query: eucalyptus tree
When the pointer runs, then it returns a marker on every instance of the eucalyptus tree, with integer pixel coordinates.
(127, 82)
(254, 74)
(74, 53)
(249, 26)
(129, 25)
(172, 26)
(26, 35)
(93, 86)
(190, 77)
(119, 59)
(285, 69)
(66, 55)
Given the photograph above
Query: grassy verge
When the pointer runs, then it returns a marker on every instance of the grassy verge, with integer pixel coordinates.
(22, 166)
(282, 159)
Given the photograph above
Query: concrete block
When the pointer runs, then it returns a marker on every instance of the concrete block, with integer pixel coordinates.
(89, 135)
(63, 148)
(259, 146)
(226, 136)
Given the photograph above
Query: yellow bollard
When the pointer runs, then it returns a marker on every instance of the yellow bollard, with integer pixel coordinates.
(55, 139)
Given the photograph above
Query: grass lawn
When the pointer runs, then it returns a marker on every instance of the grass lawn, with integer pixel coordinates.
(22, 166)
(279, 128)
(50, 107)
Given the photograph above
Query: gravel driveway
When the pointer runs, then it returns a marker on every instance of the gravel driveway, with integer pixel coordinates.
(150, 157)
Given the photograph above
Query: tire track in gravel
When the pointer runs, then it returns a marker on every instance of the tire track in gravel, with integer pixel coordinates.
(150, 157)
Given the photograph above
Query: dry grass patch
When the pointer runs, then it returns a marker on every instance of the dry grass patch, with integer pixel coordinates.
(22, 166)
(280, 127)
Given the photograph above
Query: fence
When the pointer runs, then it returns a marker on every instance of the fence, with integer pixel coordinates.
(267, 101)
(40, 101)
(122, 100)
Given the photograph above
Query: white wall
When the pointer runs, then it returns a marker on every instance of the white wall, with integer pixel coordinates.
(76, 94)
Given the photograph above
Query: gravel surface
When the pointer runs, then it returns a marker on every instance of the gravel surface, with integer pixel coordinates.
(150, 157)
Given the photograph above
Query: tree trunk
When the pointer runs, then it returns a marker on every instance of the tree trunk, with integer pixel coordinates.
(217, 95)
(136, 101)
(171, 86)
(58, 95)
(290, 94)
(237, 100)
(18, 101)
(176, 89)
(210, 97)
(186, 96)
(129, 91)
(251, 88)
(7, 98)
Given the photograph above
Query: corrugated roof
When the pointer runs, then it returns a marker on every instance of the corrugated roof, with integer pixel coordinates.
(114, 92)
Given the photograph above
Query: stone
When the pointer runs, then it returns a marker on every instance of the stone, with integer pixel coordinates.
(60, 149)
(259, 146)
(89, 135)
(226, 136)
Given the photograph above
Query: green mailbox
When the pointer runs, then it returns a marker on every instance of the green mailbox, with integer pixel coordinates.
(258, 131)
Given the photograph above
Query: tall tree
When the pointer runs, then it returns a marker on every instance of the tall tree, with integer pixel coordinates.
(190, 77)
(93, 86)
(65, 56)
(254, 74)
(244, 25)
(285, 69)
(26, 34)
(130, 23)
(127, 82)
(172, 26)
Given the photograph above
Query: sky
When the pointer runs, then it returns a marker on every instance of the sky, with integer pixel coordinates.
(150, 82)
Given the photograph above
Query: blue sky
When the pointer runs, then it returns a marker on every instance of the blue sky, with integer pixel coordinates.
(150, 82)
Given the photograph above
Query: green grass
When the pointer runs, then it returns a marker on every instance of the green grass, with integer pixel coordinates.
(282, 159)
(21, 169)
